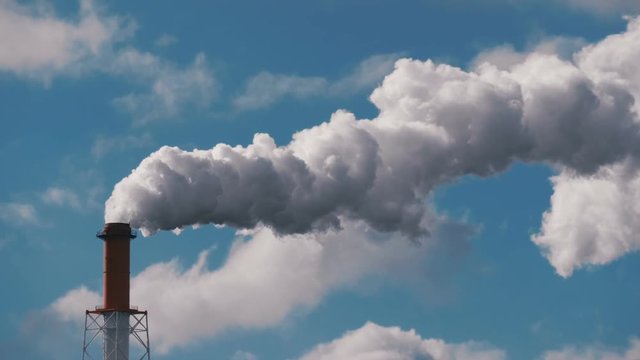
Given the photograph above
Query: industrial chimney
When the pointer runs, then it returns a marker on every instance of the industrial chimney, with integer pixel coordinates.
(116, 320)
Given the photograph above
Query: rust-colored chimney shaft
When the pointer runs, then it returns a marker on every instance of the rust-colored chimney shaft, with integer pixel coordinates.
(117, 238)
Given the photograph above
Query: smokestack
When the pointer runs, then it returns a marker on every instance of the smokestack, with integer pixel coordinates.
(117, 238)
(116, 320)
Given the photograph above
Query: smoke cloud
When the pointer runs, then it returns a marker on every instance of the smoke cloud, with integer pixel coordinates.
(593, 219)
(436, 123)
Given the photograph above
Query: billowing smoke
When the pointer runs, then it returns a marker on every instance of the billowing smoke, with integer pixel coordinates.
(436, 123)
(593, 220)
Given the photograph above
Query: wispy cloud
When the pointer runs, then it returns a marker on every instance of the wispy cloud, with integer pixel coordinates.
(18, 213)
(171, 91)
(42, 46)
(61, 197)
(265, 88)
(78, 189)
(104, 145)
(366, 75)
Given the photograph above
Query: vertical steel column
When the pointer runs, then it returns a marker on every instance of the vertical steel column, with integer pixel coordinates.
(116, 335)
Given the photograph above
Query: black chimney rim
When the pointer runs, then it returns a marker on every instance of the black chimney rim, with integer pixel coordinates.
(116, 229)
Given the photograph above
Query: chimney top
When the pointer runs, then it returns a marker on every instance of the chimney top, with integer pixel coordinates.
(116, 230)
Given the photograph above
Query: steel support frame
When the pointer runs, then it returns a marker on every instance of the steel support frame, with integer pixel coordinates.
(95, 324)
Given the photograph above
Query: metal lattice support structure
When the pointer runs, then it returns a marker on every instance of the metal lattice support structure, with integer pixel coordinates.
(107, 325)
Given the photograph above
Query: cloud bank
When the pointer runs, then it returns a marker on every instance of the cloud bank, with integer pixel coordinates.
(595, 353)
(375, 342)
(436, 123)
(264, 279)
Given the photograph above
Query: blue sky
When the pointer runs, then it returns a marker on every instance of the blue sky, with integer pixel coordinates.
(91, 89)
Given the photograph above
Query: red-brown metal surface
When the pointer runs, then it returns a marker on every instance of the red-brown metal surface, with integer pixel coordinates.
(117, 238)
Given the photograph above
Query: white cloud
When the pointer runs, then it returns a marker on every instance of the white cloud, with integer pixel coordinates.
(76, 189)
(53, 333)
(172, 90)
(18, 213)
(69, 307)
(266, 88)
(375, 342)
(263, 280)
(43, 46)
(36, 43)
(43, 335)
(61, 197)
(595, 353)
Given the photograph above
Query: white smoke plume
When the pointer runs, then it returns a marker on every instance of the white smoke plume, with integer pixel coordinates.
(593, 219)
(436, 123)
(375, 342)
